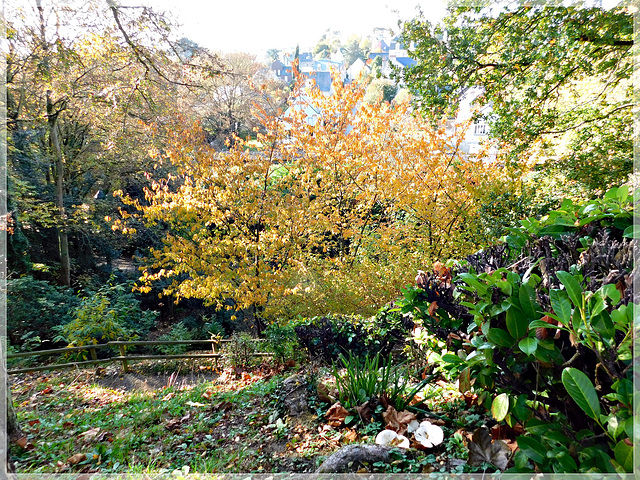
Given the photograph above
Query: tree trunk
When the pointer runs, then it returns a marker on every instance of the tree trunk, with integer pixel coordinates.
(63, 240)
(52, 120)
(14, 432)
(259, 321)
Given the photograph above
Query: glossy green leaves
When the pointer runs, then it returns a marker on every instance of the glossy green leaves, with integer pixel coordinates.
(582, 391)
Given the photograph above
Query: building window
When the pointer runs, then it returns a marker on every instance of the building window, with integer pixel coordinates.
(480, 128)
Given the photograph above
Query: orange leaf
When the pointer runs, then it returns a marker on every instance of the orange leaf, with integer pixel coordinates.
(573, 339)
(350, 435)
(336, 415)
(324, 395)
(224, 406)
(23, 442)
(77, 458)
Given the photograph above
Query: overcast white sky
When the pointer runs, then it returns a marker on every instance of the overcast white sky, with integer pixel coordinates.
(255, 26)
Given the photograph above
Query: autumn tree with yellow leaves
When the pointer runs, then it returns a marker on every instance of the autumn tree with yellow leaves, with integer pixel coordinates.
(332, 210)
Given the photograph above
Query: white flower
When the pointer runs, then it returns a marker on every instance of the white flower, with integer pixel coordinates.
(429, 435)
(413, 426)
(391, 438)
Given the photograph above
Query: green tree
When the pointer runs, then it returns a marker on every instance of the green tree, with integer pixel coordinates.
(82, 81)
(352, 50)
(558, 80)
(273, 54)
(328, 44)
(323, 48)
(380, 89)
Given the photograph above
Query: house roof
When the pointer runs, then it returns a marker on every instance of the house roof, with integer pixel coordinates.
(406, 61)
(355, 68)
(323, 81)
(302, 103)
(306, 57)
(337, 56)
(378, 54)
(397, 44)
(357, 63)
(380, 47)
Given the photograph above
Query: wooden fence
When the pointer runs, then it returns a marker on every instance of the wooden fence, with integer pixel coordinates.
(123, 357)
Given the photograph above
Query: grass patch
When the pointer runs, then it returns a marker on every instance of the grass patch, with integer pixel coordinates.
(155, 431)
(82, 422)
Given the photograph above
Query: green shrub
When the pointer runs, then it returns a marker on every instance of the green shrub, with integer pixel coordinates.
(34, 308)
(547, 318)
(326, 337)
(202, 326)
(96, 321)
(111, 313)
(133, 317)
(239, 350)
(282, 342)
(177, 332)
(212, 327)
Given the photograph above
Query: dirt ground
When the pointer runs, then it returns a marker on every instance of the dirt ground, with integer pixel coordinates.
(142, 380)
(145, 383)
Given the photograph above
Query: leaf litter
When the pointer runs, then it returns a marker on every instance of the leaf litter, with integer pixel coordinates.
(116, 429)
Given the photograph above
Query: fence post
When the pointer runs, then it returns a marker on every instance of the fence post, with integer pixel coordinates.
(215, 344)
(123, 354)
(94, 355)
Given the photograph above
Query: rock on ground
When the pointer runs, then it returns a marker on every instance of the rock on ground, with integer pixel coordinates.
(351, 457)
(295, 395)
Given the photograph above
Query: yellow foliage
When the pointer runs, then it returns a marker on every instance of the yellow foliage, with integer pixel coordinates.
(327, 214)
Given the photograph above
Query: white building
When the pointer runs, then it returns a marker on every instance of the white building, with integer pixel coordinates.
(477, 135)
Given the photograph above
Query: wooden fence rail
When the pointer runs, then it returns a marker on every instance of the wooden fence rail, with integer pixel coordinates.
(123, 357)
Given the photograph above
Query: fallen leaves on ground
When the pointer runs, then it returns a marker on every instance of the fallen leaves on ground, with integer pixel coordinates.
(176, 423)
(95, 435)
(397, 421)
(90, 434)
(350, 436)
(483, 449)
(223, 406)
(24, 443)
(365, 412)
(336, 414)
(77, 458)
(324, 394)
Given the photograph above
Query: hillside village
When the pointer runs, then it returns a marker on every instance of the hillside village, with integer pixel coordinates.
(385, 56)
